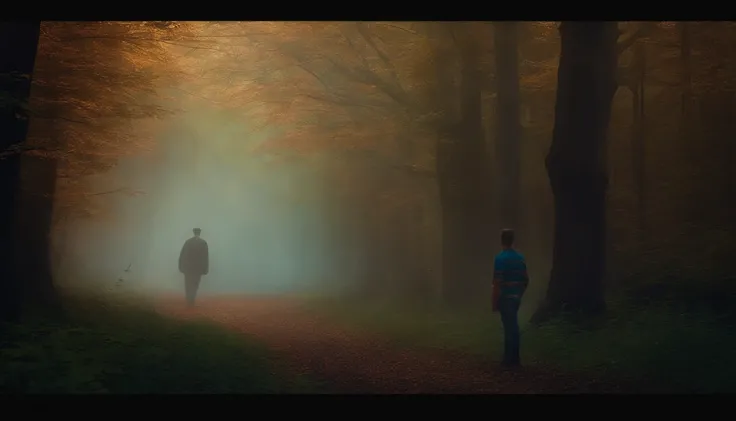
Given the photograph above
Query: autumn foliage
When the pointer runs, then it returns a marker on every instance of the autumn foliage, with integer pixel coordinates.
(371, 103)
(96, 87)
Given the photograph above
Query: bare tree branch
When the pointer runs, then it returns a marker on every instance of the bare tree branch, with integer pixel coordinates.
(369, 78)
(302, 66)
(384, 58)
(401, 28)
(19, 149)
(344, 101)
(118, 190)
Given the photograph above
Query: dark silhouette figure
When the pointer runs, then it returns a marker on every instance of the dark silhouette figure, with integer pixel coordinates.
(194, 261)
(510, 280)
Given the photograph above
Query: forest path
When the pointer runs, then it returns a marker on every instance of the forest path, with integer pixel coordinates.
(345, 360)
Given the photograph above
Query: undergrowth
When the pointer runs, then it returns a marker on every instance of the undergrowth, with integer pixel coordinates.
(659, 346)
(108, 346)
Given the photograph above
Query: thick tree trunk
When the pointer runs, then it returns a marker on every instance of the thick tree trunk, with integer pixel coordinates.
(373, 237)
(639, 150)
(462, 240)
(730, 132)
(464, 185)
(18, 45)
(716, 146)
(508, 124)
(376, 256)
(34, 223)
(689, 138)
(352, 240)
(687, 86)
(418, 283)
(577, 169)
(724, 146)
(59, 240)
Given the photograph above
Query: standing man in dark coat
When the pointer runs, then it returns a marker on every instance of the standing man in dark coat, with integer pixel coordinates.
(194, 261)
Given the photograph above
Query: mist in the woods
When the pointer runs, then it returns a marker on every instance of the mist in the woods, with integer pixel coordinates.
(264, 230)
(302, 178)
(376, 158)
(369, 167)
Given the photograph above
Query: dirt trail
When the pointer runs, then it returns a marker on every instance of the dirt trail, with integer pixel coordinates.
(347, 361)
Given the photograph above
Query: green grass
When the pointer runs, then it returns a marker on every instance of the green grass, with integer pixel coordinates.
(658, 349)
(104, 346)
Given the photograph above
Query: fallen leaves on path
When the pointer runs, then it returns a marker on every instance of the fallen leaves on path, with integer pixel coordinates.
(347, 361)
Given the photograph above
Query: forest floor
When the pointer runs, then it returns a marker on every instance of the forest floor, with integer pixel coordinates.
(343, 359)
(103, 344)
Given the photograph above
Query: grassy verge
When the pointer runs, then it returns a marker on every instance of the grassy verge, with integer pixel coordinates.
(104, 346)
(660, 349)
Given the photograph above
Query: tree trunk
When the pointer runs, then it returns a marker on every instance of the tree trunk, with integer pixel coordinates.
(687, 86)
(509, 132)
(376, 253)
(418, 273)
(352, 240)
(59, 245)
(18, 45)
(464, 186)
(577, 169)
(725, 147)
(34, 224)
(716, 147)
(730, 133)
(639, 138)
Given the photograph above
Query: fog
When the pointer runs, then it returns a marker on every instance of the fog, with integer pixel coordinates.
(348, 195)
(359, 174)
(264, 227)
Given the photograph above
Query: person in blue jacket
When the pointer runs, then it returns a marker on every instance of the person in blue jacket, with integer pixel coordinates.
(510, 280)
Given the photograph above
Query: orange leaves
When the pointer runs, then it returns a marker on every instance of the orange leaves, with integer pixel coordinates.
(544, 76)
(92, 80)
(316, 79)
(712, 64)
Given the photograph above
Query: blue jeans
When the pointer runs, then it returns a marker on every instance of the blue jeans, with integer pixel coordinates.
(509, 309)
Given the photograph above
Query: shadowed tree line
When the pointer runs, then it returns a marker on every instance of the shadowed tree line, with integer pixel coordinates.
(71, 90)
(430, 138)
